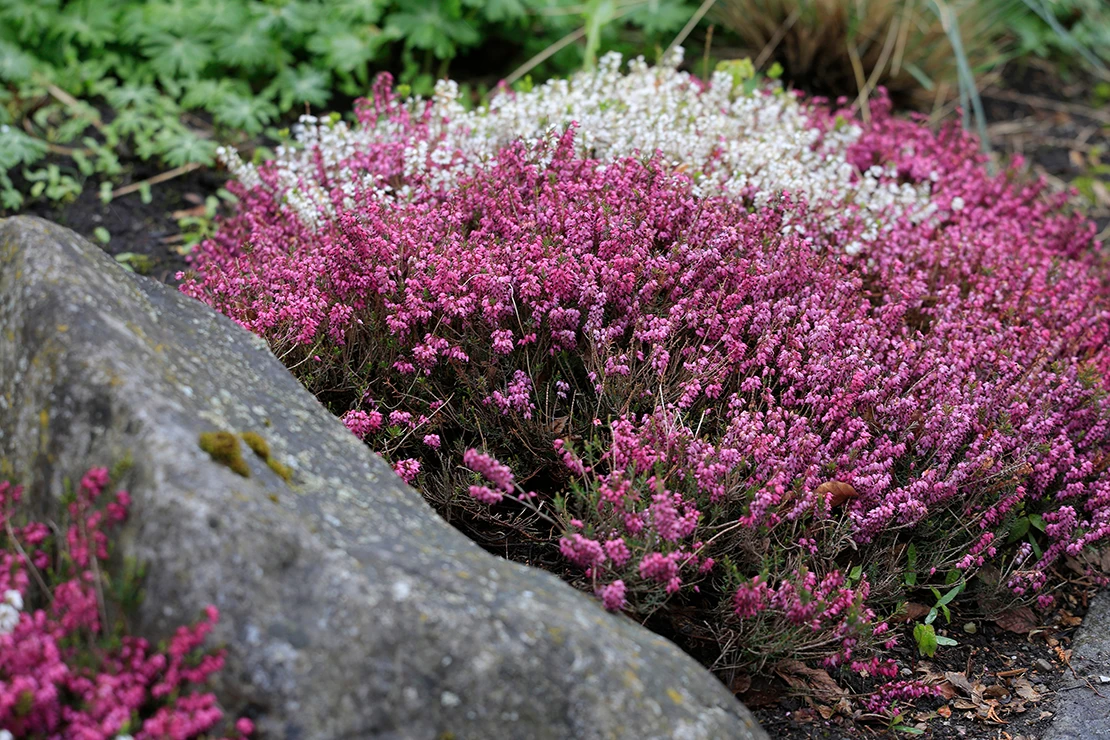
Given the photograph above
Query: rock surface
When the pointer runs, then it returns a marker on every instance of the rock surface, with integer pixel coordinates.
(349, 609)
(1083, 705)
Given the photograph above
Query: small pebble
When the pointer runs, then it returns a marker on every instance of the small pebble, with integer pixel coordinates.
(1043, 665)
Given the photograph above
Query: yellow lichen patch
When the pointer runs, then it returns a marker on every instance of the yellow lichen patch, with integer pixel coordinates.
(223, 447)
(44, 430)
(260, 446)
(675, 696)
(63, 328)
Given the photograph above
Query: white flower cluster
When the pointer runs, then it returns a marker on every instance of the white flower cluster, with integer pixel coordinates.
(729, 143)
(10, 607)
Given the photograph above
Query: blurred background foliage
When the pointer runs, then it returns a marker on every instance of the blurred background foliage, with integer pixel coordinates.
(88, 88)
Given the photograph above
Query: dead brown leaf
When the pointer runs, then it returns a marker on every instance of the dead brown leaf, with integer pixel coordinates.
(997, 691)
(741, 683)
(1070, 620)
(838, 490)
(947, 690)
(810, 680)
(1019, 620)
(187, 213)
(761, 693)
(1024, 689)
(914, 611)
(960, 681)
(805, 715)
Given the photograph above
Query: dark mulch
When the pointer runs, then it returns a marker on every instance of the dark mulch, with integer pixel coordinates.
(146, 229)
(1061, 125)
(1000, 681)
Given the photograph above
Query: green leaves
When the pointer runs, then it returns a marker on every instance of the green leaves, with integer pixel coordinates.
(15, 65)
(174, 56)
(926, 638)
(249, 114)
(304, 84)
(179, 77)
(435, 26)
(183, 147)
(345, 49)
(17, 148)
(924, 634)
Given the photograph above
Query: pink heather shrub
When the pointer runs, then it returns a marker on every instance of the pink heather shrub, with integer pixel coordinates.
(66, 669)
(719, 408)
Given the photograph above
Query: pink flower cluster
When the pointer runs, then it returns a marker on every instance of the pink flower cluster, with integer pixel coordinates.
(718, 370)
(60, 673)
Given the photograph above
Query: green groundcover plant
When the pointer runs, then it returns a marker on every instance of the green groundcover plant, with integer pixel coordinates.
(94, 84)
(745, 367)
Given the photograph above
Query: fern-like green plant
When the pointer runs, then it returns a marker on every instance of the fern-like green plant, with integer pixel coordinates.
(93, 84)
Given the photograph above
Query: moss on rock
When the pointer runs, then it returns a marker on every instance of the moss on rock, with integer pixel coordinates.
(255, 441)
(223, 447)
(261, 447)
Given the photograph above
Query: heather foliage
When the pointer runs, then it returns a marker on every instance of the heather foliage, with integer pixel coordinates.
(743, 402)
(68, 668)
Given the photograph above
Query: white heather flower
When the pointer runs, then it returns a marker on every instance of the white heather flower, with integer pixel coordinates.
(14, 598)
(10, 607)
(4, 734)
(957, 203)
(9, 619)
(763, 144)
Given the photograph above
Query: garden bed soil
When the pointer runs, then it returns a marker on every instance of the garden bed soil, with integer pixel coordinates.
(998, 682)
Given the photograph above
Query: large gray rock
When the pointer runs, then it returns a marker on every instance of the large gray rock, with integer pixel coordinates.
(349, 609)
(1083, 700)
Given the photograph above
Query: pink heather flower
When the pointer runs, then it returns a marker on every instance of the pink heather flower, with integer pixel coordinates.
(502, 341)
(432, 440)
(612, 596)
(488, 467)
(945, 361)
(362, 423)
(485, 494)
(400, 419)
(617, 551)
(666, 519)
(407, 469)
(582, 551)
(658, 567)
(94, 481)
(517, 396)
(750, 598)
